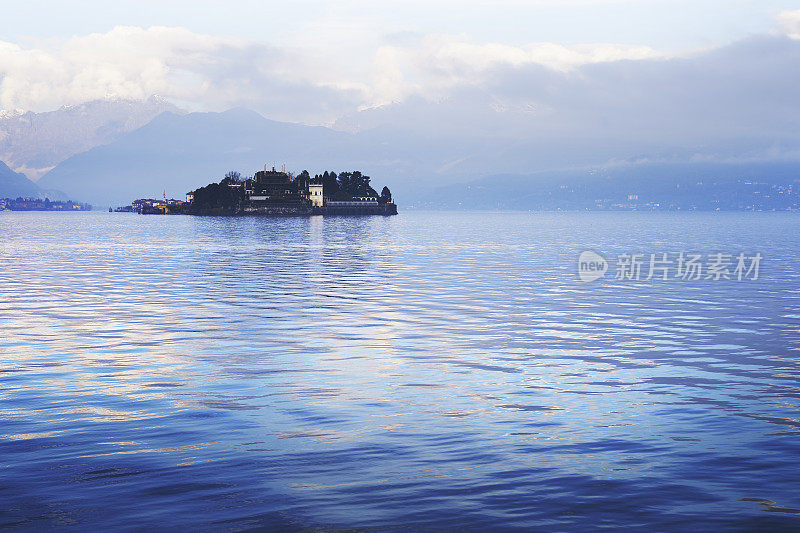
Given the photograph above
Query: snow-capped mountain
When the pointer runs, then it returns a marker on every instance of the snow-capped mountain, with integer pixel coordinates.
(33, 143)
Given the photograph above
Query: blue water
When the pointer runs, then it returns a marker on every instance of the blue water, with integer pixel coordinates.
(430, 371)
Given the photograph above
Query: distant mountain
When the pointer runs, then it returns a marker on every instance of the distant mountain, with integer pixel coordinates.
(644, 186)
(14, 184)
(177, 153)
(33, 143)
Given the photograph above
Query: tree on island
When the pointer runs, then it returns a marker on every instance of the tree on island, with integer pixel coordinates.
(330, 183)
(355, 184)
(217, 196)
(232, 176)
(386, 196)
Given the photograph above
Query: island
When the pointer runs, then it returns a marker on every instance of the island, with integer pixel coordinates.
(278, 193)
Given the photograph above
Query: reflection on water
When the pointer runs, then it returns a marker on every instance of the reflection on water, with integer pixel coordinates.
(426, 371)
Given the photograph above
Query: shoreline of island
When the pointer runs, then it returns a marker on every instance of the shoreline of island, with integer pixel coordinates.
(277, 193)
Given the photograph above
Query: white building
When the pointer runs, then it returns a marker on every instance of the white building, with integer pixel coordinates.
(315, 194)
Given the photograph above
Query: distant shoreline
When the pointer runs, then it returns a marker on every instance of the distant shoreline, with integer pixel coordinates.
(36, 204)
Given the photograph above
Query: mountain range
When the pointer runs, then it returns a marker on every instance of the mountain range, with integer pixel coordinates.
(705, 186)
(176, 152)
(33, 143)
(15, 184)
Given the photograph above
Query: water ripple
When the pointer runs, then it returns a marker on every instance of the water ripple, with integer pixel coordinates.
(432, 371)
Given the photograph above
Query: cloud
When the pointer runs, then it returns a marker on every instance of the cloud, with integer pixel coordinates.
(789, 24)
(613, 95)
(557, 57)
(213, 73)
(736, 101)
(201, 71)
(434, 65)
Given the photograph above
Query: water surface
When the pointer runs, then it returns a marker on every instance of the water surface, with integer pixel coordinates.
(430, 371)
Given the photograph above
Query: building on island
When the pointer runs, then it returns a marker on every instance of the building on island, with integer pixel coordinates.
(315, 194)
(275, 188)
(152, 206)
(281, 193)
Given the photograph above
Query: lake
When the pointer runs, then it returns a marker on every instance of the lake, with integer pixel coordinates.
(429, 371)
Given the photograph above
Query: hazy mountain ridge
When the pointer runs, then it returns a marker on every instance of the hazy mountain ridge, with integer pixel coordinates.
(177, 153)
(33, 143)
(14, 184)
(765, 185)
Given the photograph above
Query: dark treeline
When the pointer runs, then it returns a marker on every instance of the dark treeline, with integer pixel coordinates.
(341, 186)
(228, 194)
(217, 196)
(345, 185)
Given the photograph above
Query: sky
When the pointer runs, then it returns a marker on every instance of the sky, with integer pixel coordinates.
(128, 48)
(664, 24)
(669, 70)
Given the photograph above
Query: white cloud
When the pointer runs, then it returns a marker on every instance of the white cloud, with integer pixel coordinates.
(434, 65)
(555, 56)
(125, 62)
(789, 24)
(523, 83)
(201, 71)
(734, 101)
(212, 73)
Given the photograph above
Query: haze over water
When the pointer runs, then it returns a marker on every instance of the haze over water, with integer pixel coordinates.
(430, 371)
